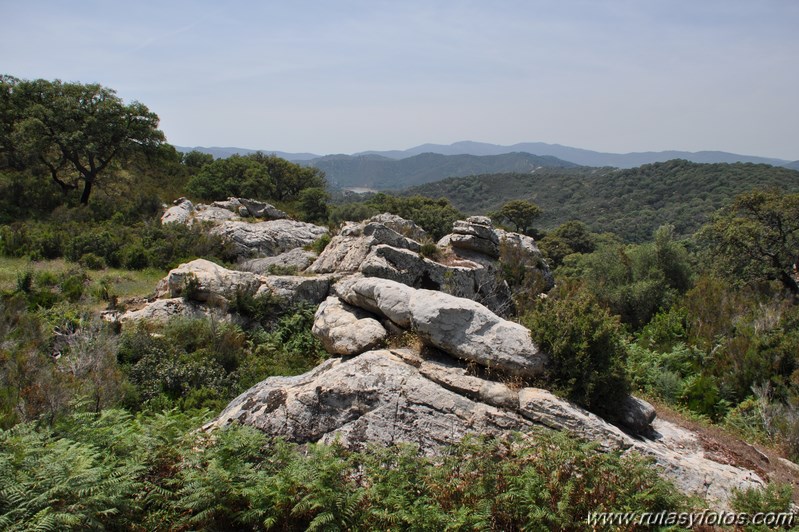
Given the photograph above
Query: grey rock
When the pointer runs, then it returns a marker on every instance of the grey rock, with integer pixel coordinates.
(475, 234)
(406, 228)
(347, 250)
(471, 280)
(213, 284)
(460, 327)
(346, 330)
(180, 212)
(636, 414)
(260, 209)
(163, 310)
(545, 408)
(292, 290)
(267, 238)
(374, 397)
(393, 396)
(296, 259)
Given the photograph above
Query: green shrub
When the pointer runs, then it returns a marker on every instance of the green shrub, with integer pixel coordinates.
(429, 250)
(319, 245)
(134, 257)
(92, 261)
(586, 348)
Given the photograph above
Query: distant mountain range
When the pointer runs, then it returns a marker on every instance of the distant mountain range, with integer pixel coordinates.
(425, 163)
(382, 173)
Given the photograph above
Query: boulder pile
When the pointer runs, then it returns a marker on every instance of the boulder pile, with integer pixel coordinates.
(464, 368)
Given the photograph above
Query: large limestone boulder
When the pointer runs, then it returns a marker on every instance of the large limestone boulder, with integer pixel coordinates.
(267, 238)
(460, 327)
(374, 397)
(346, 330)
(349, 249)
(393, 396)
(204, 281)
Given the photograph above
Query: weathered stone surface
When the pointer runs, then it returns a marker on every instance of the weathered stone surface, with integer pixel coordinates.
(162, 310)
(212, 283)
(260, 209)
(295, 289)
(296, 259)
(374, 397)
(545, 408)
(212, 214)
(481, 283)
(180, 212)
(636, 414)
(476, 233)
(268, 238)
(406, 228)
(461, 327)
(392, 396)
(347, 250)
(346, 330)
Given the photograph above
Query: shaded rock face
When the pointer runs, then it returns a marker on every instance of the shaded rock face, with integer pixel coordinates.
(392, 396)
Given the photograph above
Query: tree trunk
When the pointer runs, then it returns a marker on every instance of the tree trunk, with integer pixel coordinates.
(87, 190)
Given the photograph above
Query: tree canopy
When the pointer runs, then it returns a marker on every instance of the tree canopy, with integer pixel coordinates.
(255, 175)
(521, 213)
(75, 132)
(757, 238)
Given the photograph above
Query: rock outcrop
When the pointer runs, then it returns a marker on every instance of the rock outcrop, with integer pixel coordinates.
(392, 396)
(252, 228)
(201, 288)
(297, 260)
(460, 327)
(258, 239)
(471, 375)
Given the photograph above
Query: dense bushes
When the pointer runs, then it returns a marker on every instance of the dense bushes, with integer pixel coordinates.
(98, 471)
(112, 244)
(256, 176)
(434, 216)
(586, 348)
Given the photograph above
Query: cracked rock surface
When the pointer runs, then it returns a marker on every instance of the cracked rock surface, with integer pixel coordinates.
(392, 396)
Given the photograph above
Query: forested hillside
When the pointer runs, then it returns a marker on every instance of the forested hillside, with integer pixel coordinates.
(630, 203)
(382, 173)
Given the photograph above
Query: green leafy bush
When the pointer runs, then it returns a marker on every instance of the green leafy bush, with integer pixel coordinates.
(586, 347)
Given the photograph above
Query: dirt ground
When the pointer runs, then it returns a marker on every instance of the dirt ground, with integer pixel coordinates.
(722, 446)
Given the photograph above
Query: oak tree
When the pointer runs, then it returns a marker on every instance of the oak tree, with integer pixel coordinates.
(76, 132)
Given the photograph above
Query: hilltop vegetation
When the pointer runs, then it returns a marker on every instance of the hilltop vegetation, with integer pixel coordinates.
(629, 203)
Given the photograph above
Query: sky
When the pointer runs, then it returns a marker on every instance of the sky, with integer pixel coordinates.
(348, 76)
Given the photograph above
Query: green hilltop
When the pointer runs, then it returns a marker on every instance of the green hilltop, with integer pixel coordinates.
(631, 203)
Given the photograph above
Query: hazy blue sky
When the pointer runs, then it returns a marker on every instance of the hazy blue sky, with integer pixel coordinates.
(346, 76)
